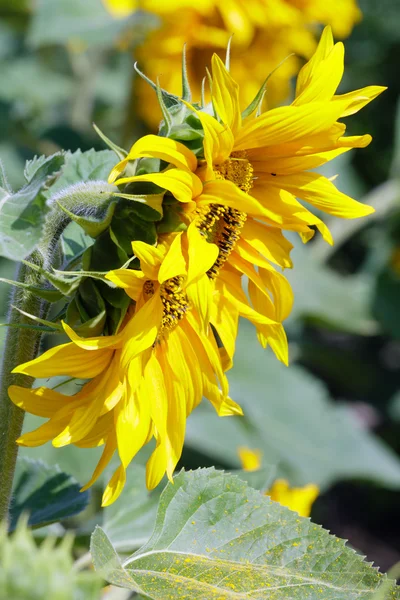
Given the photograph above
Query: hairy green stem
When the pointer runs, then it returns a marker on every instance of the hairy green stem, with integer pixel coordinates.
(21, 345)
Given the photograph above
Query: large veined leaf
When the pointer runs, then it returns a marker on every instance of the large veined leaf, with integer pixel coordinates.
(22, 213)
(45, 493)
(289, 417)
(217, 538)
(130, 521)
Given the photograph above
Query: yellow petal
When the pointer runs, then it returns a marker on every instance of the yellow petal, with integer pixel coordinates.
(184, 185)
(218, 140)
(268, 241)
(99, 433)
(325, 46)
(42, 401)
(324, 78)
(142, 329)
(128, 279)
(150, 258)
(202, 254)
(225, 318)
(166, 149)
(200, 297)
(95, 343)
(118, 170)
(67, 359)
(156, 466)
(44, 433)
(106, 456)
(320, 191)
(114, 487)
(297, 499)
(225, 95)
(174, 263)
(359, 98)
(250, 459)
(294, 164)
(228, 194)
(288, 124)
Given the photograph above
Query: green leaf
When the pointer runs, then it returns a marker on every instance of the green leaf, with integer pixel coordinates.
(22, 213)
(321, 294)
(45, 493)
(289, 417)
(91, 165)
(130, 522)
(32, 572)
(216, 538)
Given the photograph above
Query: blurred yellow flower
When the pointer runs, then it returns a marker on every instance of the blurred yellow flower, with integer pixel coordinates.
(144, 381)
(269, 30)
(299, 499)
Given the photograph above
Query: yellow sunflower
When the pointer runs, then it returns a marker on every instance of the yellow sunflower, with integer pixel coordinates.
(244, 192)
(143, 381)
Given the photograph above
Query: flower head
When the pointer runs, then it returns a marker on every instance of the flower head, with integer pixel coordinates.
(243, 192)
(143, 381)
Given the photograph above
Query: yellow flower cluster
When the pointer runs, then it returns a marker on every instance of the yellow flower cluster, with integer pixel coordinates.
(267, 30)
(235, 197)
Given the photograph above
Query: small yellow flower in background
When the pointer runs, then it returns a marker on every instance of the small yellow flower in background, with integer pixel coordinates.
(298, 499)
(147, 379)
(267, 30)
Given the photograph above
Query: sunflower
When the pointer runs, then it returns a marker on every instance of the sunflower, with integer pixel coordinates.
(145, 380)
(244, 191)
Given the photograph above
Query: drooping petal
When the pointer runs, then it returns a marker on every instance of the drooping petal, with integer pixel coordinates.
(67, 359)
(114, 487)
(129, 280)
(99, 343)
(202, 254)
(184, 185)
(225, 95)
(108, 452)
(166, 149)
(200, 297)
(174, 263)
(268, 241)
(142, 329)
(150, 258)
(42, 401)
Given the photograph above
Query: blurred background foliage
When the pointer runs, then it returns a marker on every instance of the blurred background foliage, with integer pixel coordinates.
(333, 417)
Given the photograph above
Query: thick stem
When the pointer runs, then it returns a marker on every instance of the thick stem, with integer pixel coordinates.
(21, 345)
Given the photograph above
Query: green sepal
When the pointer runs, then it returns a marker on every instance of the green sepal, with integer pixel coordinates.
(128, 226)
(120, 152)
(91, 205)
(104, 255)
(89, 225)
(51, 324)
(186, 91)
(148, 206)
(255, 104)
(169, 100)
(49, 295)
(61, 282)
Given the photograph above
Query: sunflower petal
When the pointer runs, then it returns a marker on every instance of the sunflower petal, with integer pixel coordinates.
(184, 185)
(225, 95)
(166, 149)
